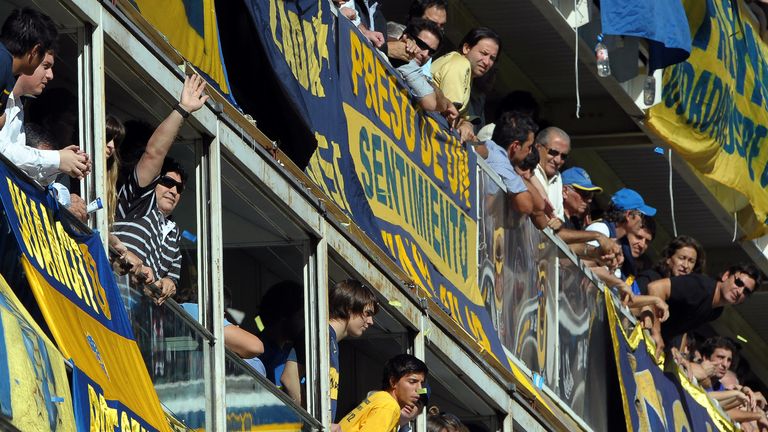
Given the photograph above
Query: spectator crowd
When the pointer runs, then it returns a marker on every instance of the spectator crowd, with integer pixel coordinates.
(671, 299)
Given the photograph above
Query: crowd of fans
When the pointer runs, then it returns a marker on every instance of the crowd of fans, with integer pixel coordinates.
(671, 299)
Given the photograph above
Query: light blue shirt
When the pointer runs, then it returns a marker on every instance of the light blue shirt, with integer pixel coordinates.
(499, 161)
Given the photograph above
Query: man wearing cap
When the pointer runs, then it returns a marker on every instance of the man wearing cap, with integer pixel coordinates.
(578, 192)
(553, 145)
(624, 214)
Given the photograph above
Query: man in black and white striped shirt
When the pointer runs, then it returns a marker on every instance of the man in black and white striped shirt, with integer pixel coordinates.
(151, 193)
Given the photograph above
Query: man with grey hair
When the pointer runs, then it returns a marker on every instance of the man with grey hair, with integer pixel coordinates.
(553, 145)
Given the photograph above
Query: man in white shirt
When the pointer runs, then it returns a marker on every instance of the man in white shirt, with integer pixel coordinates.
(42, 165)
(553, 145)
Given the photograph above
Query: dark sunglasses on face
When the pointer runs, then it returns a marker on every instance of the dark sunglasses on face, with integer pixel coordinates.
(555, 153)
(423, 45)
(585, 195)
(740, 283)
(169, 182)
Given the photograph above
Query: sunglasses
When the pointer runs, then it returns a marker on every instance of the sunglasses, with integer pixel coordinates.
(555, 153)
(585, 195)
(169, 183)
(423, 45)
(740, 283)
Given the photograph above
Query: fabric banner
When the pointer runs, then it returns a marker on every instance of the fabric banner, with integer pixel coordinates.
(406, 181)
(38, 397)
(190, 27)
(714, 109)
(654, 400)
(72, 281)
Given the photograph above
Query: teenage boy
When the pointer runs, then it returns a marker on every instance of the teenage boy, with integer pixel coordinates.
(403, 379)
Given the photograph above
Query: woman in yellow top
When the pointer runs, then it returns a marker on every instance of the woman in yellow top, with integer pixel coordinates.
(403, 377)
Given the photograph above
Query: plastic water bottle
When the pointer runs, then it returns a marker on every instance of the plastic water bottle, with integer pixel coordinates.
(601, 53)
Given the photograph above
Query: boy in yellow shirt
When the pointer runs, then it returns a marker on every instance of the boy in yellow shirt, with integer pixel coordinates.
(404, 376)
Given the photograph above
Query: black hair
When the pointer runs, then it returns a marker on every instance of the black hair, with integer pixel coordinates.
(440, 422)
(648, 223)
(479, 33)
(115, 130)
(418, 7)
(614, 214)
(418, 25)
(748, 269)
(280, 302)
(37, 136)
(530, 161)
(25, 28)
(513, 126)
(350, 297)
(400, 366)
(676, 244)
(711, 344)
(170, 165)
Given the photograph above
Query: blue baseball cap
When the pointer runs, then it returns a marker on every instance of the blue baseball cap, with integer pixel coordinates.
(579, 178)
(628, 199)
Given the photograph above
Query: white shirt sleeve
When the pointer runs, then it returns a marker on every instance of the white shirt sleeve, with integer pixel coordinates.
(41, 165)
(600, 227)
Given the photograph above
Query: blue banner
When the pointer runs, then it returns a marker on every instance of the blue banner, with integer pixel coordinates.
(655, 400)
(397, 171)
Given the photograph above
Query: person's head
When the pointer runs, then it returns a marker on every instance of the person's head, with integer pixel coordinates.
(28, 34)
(578, 191)
(282, 311)
(170, 186)
(433, 10)
(526, 166)
(640, 241)
(739, 282)
(115, 133)
(481, 46)
(514, 132)
(443, 422)
(627, 208)
(427, 36)
(683, 255)
(34, 84)
(352, 304)
(720, 351)
(38, 137)
(729, 380)
(403, 377)
(553, 145)
(409, 413)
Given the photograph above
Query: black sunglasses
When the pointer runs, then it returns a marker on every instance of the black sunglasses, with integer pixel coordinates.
(555, 153)
(423, 45)
(169, 182)
(740, 283)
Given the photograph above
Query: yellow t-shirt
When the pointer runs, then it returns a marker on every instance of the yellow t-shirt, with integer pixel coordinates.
(452, 74)
(380, 412)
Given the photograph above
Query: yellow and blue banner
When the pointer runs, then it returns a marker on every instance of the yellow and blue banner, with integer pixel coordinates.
(397, 171)
(654, 400)
(72, 281)
(714, 108)
(34, 391)
(190, 27)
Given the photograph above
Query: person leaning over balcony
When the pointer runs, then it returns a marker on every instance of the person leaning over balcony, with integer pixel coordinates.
(26, 36)
(432, 10)
(578, 193)
(553, 145)
(696, 299)
(403, 378)
(751, 416)
(151, 193)
(683, 255)
(453, 73)
(367, 18)
(43, 165)
(427, 37)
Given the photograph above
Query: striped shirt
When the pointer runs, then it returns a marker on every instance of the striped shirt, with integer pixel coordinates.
(145, 231)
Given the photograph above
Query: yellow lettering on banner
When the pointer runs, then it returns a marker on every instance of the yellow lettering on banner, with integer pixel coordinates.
(476, 327)
(369, 67)
(422, 266)
(97, 292)
(381, 91)
(679, 417)
(647, 397)
(356, 56)
(397, 116)
(302, 43)
(20, 206)
(452, 304)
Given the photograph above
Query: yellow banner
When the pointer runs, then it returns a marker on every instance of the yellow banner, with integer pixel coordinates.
(39, 391)
(714, 109)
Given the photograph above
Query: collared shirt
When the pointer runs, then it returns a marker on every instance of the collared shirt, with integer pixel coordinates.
(452, 74)
(419, 84)
(554, 188)
(498, 160)
(145, 230)
(7, 80)
(41, 165)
